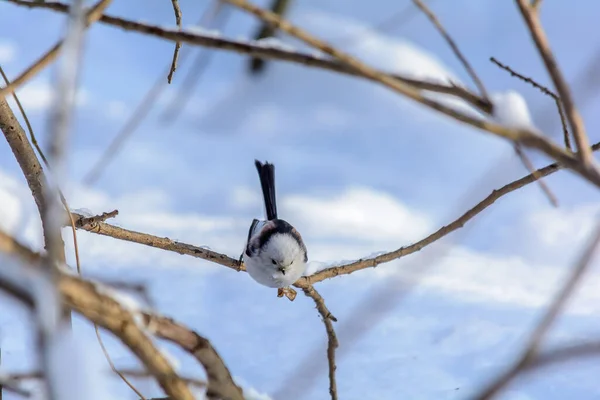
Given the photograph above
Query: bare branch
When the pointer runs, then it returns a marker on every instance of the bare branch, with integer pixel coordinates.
(10, 384)
(92, 16)
(177, 11)
(440, 233)
(41, 153)
(90, 222)
(264, 52)
(23, 152)
(220, 382)
(116, 232)
(435, 21)
(544, 90)
(526, 137)
(332, 342)
(85, 298)
(214, 17)
(544, 325)
(541, 41)
(132, 373)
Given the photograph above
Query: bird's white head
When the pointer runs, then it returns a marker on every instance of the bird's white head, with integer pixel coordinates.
(284, 252)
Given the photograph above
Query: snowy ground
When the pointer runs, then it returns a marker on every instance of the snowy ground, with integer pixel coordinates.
(359, 171)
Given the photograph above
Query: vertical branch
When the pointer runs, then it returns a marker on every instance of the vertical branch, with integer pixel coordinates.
(177, 11)
(332, 342)
(538, 35)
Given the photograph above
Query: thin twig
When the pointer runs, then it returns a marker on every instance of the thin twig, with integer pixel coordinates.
(102, 228)
(332, 342)
(112, 365)
(531, 169)
(214, 18)
(92, 16)
(546, 322)
(544, 90)
(90, 222)
(538, 35)
(436, 22)
(177, 11)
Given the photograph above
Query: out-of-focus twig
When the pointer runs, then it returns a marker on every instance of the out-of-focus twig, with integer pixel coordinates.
(10, 384)
(436, 22)
(531, 169)
(214, 18)
(220, 382)
(531, 18)
(143, 108)
(536, 338)
(177, 11)
(92, 301)
(279, 7)
(544, 90)
(92, 16)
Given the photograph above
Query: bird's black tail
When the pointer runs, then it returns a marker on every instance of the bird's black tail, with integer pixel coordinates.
(266, 173)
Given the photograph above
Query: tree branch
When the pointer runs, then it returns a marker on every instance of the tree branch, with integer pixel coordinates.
(220, 382)
(544, 90)
(92, 302)
(102, 228)
(177, 12)
(436, 22)
(332, 342)
(92, 16)
(261, 51)
(541, 41)
(440, 233)
(522, 136)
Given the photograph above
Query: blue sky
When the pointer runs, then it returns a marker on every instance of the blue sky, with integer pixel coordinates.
(359, 170)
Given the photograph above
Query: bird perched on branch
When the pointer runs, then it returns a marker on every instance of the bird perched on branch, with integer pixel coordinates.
(279, 7)
(275, 255)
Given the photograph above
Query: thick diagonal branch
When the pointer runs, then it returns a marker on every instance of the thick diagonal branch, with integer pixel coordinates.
(220, 382)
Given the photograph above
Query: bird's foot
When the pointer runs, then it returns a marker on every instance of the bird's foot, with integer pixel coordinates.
(288, 292)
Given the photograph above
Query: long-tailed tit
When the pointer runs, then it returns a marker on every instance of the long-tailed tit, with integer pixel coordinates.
(275, 255)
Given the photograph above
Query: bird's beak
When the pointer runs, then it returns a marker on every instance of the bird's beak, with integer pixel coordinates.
(282, 270)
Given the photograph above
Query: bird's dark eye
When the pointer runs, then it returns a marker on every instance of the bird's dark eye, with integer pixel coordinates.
(273, 261)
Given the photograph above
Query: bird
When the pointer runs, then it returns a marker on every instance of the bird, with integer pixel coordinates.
(275, 254)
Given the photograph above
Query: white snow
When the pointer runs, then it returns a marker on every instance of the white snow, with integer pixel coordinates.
(510, 110)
